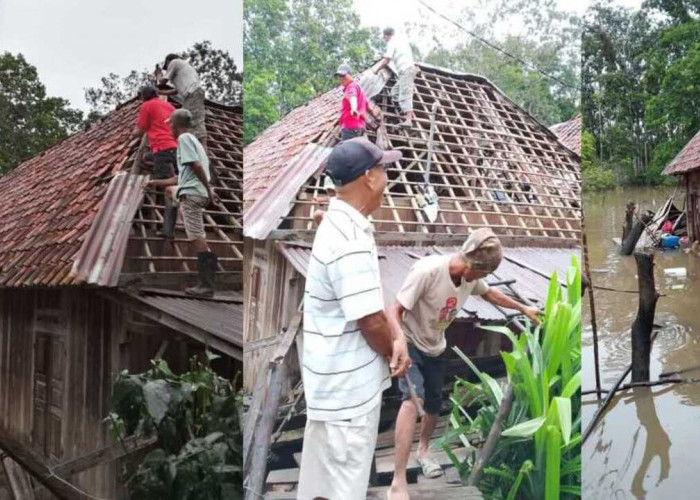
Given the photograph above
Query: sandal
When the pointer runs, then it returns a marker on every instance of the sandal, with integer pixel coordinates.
(431, 469)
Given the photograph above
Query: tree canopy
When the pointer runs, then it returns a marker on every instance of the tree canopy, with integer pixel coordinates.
(292, 49)
(221, 79)
(30, 120)
(640, 88)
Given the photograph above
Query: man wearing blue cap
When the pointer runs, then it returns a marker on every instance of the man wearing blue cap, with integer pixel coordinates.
(351, 348)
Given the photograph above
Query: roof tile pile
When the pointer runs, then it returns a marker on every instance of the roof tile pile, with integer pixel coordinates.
(48, 202)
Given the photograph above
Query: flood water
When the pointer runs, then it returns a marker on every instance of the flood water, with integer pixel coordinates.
(647, 445)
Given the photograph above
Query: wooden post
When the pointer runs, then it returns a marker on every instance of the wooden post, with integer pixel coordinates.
(263, 418)
(629, 220)
(594, 324)
(255, 480)
(644, 322)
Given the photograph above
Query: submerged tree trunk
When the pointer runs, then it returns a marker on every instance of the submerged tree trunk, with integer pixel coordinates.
(629, 220)
(644, 322)
(630, 242)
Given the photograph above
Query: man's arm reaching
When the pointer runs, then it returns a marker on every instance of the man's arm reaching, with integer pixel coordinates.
(498, 298)
(171, 181)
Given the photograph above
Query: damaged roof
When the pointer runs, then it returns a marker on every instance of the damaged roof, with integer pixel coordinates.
(526, 270)
(687, 160)
(55, 209)
(217, 322)
(569, 133)
(493, 165)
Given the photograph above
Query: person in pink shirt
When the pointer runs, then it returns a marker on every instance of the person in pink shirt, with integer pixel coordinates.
(354, 107)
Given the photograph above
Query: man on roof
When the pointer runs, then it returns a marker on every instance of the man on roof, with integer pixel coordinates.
(354, 106)
(191, 190)
(153, 121)
(399, 57)
(181, 75)
(433, 293)
(350, 347)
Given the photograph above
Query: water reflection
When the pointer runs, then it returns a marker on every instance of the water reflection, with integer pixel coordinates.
(646, 445)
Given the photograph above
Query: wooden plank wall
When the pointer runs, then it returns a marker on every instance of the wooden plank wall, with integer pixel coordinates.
(271, 299)
(94, 334)
(692, 190)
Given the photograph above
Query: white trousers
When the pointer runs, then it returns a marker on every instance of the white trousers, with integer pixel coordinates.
(336, 458)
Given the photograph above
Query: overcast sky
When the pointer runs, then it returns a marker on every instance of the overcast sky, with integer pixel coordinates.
(398, 12)
(75, 42)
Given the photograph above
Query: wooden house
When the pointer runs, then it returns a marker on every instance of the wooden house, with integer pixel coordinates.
(87, 290)
(493, 165)
(686, 165)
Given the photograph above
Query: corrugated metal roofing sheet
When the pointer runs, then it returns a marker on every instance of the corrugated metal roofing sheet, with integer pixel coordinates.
(264, 216)
(688, 159)
(222, 319)
(272, 150)
(101, 257)
(395, 262)
(569, 133)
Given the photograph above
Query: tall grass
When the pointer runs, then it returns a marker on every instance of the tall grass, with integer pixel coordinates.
(538, 455)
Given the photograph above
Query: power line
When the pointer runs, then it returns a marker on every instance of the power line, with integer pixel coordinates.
(499, 49)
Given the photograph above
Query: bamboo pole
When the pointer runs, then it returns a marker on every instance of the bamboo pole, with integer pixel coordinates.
(594, 325)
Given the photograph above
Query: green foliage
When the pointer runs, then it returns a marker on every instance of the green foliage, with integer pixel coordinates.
(538, 454)
(30, 121)
(540, 33)
(195, 419)
(221, 79)
(640, 86)
(292, 49)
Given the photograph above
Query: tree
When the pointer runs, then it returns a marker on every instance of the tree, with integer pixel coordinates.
(292, 49)
(221, 79)
(30, 121)
(548, 40)
(195, 418)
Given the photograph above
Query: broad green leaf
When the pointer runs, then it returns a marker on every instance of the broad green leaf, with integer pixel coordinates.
(525, 429)
(562, 416)
(157, 398)
(572, 386)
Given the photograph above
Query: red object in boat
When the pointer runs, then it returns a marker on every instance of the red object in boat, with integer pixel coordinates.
(667, 228)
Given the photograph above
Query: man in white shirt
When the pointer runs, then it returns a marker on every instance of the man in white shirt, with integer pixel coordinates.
(347, 337)
(399, 57)
(181, 75)
(431, 296)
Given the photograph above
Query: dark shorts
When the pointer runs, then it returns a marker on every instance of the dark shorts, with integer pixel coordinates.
(164, 164)
(427, 373)
(350, 133)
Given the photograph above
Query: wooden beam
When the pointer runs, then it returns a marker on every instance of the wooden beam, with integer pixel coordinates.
(264, 414)
(35, 465)
(108, 454)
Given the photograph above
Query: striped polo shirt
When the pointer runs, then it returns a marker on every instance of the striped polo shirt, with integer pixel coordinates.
(343, 376)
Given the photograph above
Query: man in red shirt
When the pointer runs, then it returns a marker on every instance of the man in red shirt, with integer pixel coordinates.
(354, 107)
(153, 120)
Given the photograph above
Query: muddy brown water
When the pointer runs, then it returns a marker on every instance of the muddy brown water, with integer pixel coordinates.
(647, 445)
